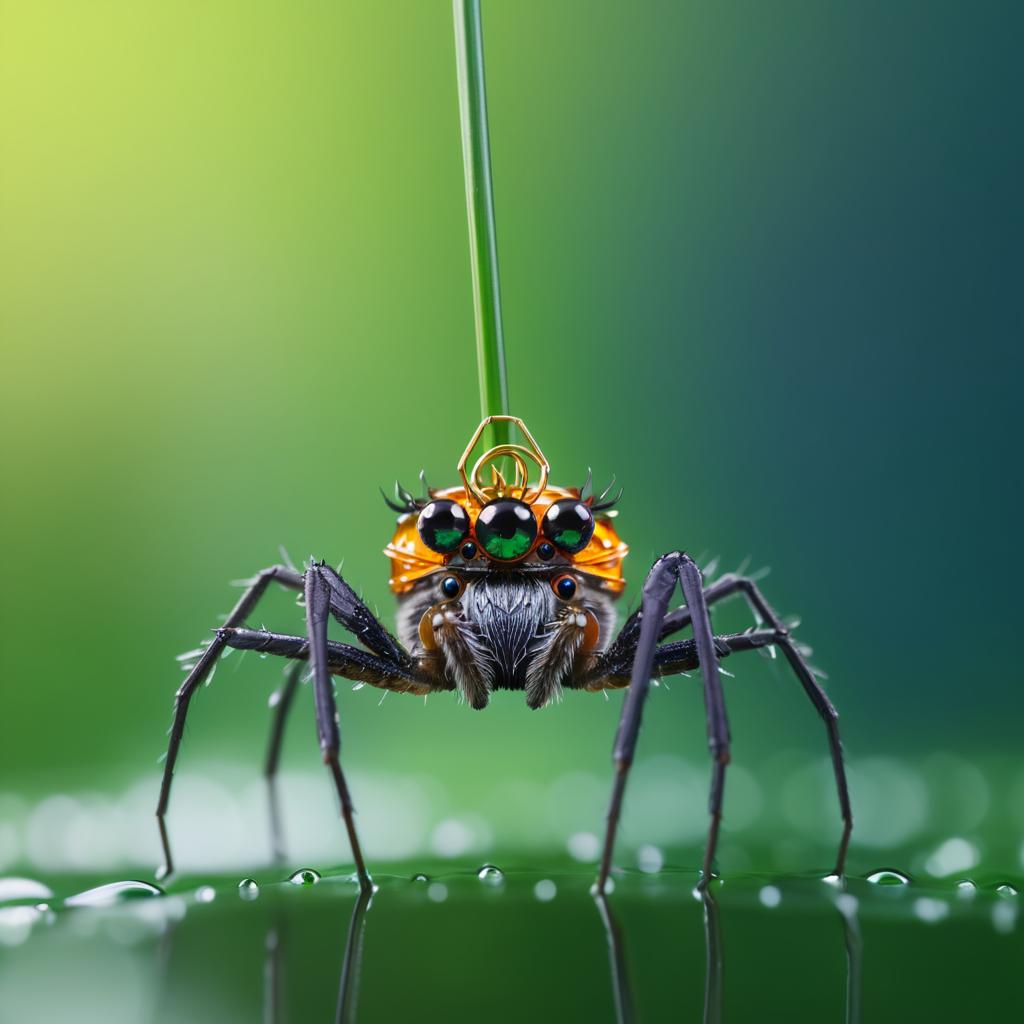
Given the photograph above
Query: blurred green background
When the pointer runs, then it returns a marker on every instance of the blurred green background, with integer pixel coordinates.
(762, 262)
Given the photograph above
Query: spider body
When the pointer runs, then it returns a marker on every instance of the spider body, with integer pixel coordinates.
(535, 622)
(509, 587)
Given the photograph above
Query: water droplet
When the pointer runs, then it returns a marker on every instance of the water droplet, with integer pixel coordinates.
(930, 910)
(113, 892)
(609, 887)
(305, 876)
(1004, 917)
(163, 871)
(437, 891)
(888, 876)
(770, 896)
(966, 889)
(206, 894)
(491, 875)
(14, 888)
(650, 859)
(248, 889)
(584, 847)
(1006, 890)
(545, 890)
(420, 878)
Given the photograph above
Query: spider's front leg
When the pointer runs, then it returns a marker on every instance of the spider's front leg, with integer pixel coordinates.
(246, 603)
(667, 571)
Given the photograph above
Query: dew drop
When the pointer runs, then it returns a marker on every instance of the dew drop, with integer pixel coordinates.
(770, 896)
(437, 891)
(305, 876)
(248, 889)
(491, 875)
(545, 890)
(113, 892)
(609, 888)
(22, 889)
(650, 859)
(206, 894)
(965, 889)
(930, 910)
(836, 881)
(888, 876)
(1006, 890)
(420, 878)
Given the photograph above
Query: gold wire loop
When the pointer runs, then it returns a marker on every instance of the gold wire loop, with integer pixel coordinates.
(517, 453)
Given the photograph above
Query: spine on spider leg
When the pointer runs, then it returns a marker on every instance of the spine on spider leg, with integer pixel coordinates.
(483, 246)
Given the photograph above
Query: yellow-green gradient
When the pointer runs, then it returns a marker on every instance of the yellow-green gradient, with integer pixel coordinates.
(761, 261)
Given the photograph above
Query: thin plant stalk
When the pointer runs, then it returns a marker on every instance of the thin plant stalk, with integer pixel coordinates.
(483, 247)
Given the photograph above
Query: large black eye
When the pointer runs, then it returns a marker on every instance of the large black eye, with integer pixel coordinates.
(506, 528)
(569, 524)
(451, 587)
(443, 525)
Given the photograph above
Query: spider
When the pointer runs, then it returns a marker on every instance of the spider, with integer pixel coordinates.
(510, 587)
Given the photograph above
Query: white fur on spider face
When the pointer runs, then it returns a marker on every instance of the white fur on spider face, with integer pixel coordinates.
(507, 632)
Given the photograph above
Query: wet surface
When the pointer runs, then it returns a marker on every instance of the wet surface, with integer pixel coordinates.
(485, 943)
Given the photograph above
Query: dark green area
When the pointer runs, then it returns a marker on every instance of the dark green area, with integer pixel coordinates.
(493, 951)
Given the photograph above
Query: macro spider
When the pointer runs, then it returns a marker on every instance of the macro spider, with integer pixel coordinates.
(510, 588)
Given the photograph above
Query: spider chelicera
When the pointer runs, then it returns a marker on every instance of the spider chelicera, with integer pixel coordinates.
(510, 588)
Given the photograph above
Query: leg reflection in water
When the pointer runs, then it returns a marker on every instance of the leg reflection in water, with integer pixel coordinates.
(624, 1009)
(351, 962)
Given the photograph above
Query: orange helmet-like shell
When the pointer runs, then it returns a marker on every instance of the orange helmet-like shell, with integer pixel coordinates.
(411, 559)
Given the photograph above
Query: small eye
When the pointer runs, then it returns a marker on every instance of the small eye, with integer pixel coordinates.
(545, 551)
(451, 587)
(569, 524)
(468, 550)
(564, 587)
(443, 526)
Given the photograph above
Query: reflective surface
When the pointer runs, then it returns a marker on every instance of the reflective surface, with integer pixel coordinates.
(482, 943)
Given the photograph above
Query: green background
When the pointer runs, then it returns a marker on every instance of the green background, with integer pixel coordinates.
(762, 262)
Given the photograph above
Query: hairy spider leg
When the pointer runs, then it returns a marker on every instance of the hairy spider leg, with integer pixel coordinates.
(726, 587)
(672, 658)
(246, 603)
(667, 571)
(318, 610)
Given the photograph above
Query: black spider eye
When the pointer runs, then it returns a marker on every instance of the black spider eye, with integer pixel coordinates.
(451, 587)
(569, 524)
(443, 526)
(565, 587)
(506, 528)
(545, 551)
(468, 550)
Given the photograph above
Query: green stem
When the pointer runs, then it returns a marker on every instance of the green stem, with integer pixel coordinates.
(483, 248)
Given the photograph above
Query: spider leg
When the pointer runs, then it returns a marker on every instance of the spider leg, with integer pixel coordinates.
(318, 610)
(721, 589)
(342, 660)
(246, 603)
(667, 571)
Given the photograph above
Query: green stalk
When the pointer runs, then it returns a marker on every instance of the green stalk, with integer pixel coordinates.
(483, 247)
